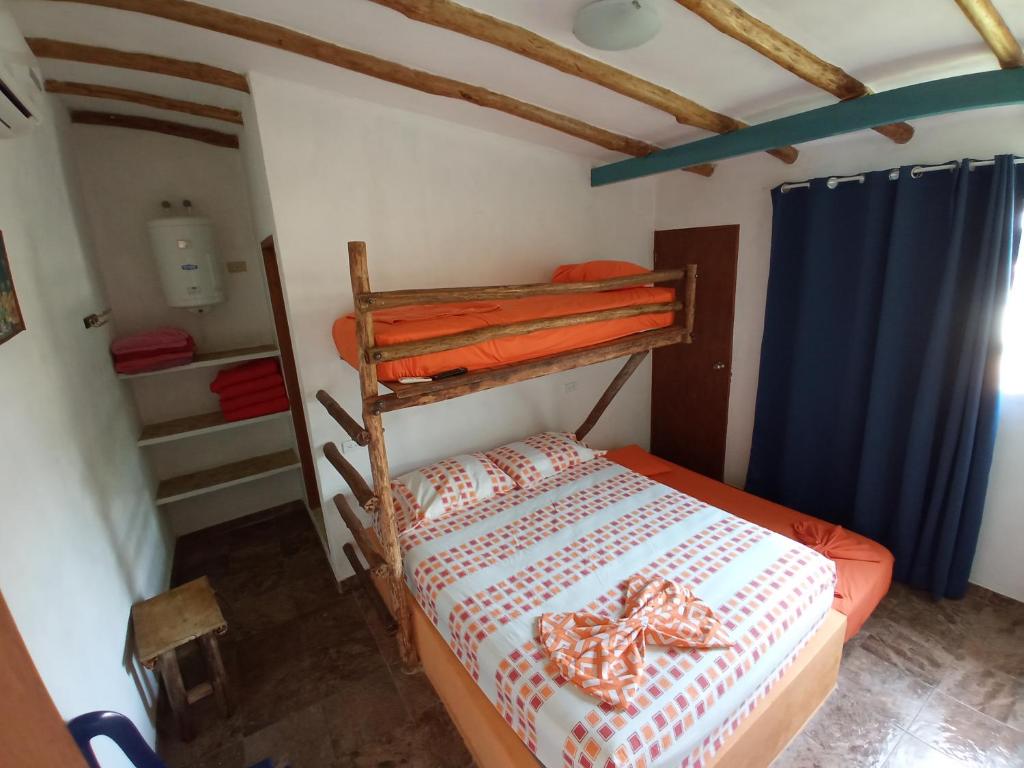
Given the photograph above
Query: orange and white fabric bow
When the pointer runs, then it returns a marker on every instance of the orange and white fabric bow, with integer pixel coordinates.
(605, 656)
(835, 543)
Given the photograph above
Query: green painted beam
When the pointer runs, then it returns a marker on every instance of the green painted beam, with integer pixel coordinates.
(953, 94)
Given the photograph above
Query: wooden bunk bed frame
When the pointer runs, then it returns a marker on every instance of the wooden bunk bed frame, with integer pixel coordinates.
(760, 738)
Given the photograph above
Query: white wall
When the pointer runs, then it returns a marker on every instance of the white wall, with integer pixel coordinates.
(437, 204)
(81, 540)
(251, 153)
(738, 193)
(124, 175)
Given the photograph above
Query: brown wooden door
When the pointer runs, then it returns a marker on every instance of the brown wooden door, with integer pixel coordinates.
(32, 733)
(690, 387)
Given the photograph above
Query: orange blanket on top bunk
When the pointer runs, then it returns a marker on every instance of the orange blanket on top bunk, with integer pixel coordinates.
(394, 326)
(863, 566)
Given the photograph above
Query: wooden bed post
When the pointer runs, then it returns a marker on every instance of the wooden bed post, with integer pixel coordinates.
(372, 422)
(609, 394)
(689, 307)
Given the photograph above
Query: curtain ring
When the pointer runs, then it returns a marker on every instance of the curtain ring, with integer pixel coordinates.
(784, 188)
(835, 181)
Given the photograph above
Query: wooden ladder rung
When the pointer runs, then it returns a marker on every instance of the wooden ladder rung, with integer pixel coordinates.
(352, 427)
(349, 474)
(198, 692)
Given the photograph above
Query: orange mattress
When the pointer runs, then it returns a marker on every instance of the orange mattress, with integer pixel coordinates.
(864, 583)
(394, 326)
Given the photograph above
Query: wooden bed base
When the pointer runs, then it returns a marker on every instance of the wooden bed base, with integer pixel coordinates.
(758, 740)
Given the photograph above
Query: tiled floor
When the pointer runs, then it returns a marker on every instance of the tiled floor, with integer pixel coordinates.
(924, 685)
(315, 676)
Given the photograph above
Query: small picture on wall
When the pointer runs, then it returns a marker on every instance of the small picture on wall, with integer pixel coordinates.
(11, 322)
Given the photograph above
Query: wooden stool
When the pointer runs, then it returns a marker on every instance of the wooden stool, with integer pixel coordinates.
(168, 621)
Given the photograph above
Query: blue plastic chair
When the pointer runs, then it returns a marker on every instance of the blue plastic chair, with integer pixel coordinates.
(118, 729)
(122, 732)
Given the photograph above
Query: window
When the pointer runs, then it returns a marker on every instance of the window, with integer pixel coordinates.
(1011, 374)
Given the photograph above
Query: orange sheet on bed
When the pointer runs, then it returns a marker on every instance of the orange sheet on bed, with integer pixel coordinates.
(394, 326)
(864, 583)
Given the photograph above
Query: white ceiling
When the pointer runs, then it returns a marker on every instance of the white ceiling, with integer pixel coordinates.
(885, 43)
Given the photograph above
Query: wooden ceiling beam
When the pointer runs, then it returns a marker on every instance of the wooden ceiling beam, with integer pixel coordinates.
(285, 39)
(729, 19)
(45, 48)
(146, 99)
(168, 127)
(952, 94)
(472, 23)
(992, 27)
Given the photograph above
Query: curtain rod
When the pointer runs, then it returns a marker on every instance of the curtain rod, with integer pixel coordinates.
(915, 173)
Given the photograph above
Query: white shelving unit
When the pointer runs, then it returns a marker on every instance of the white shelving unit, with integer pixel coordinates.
(215, 478)
(193, 426)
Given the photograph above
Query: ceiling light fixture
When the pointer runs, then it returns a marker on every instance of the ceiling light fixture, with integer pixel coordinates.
(615, 25)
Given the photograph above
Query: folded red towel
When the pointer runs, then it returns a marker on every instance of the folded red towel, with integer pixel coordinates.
(156, 340)
(260, 409)
(229, 403)
(262, 384)
(244, 372)
(154, 362)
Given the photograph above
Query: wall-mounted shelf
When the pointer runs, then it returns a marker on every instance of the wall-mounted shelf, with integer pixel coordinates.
(208, 359)
(192, 426)
(225, 476)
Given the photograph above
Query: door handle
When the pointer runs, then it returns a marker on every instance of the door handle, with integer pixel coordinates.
(718, 366)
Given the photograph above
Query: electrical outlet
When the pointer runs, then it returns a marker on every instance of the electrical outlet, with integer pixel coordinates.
(569, 387)
(237, 266)
(349, 445)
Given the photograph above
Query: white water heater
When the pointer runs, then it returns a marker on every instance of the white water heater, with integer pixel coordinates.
(186, 256)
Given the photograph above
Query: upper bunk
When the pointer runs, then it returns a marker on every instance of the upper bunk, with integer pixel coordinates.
(508, 333)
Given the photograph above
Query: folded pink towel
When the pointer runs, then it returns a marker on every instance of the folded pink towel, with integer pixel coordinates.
(155, 362)
(156, 340)
(181, 349)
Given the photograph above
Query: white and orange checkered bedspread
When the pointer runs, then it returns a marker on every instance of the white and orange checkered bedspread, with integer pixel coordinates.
(486, 573)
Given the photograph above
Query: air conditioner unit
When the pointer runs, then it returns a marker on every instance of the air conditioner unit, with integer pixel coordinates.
(21, 91)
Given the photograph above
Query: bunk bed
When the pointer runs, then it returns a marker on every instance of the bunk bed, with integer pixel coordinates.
(507, 701)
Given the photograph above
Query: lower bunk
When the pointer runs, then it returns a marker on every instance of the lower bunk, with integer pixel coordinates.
(569, 539)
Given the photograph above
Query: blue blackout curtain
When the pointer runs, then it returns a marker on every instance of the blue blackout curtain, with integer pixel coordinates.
(877, 402)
